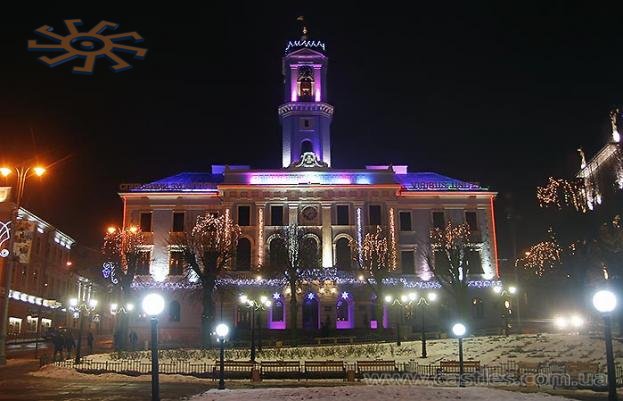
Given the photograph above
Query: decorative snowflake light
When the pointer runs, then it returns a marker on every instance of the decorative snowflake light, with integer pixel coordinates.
(5, 235)
(88, 46)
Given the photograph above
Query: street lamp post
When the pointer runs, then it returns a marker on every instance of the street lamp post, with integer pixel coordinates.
(22, 174)
(255, 305)
(221, 333)
(407, 301)
(425, 301)
(459, 331)
(82, 308)
(506, 293)
(153, 305)
(605, 302)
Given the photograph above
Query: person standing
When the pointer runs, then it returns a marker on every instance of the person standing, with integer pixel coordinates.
(90, 342)
(69, 343)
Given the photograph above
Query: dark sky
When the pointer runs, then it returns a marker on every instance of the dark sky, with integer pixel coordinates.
(500, 93)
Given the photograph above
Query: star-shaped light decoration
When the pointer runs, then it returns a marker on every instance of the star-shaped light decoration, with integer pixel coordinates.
(310, 296)
(276, 295)
(345, 295)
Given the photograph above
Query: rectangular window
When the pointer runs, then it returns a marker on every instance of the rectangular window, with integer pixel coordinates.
(374, 215)
(244, 215)
(142, 265)
(15, 325)
(342, 215)
(471, 220)
(276, 215)
(407, 259)
(145, 222)
(439, 220)
(474, 262)
(405, 221)
(178, 222)
(176, 263)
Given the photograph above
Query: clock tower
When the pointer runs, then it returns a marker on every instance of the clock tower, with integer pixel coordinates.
(305, 115)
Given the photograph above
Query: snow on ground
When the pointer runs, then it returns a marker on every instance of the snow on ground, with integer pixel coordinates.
(487, 350)
(376, 393)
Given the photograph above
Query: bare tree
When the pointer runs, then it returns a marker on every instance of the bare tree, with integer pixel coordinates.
(448, 259)
(122, 250)
(208, 250)
(373, 259)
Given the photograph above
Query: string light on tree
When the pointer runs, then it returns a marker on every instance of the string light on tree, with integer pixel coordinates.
(542, 256)
(563, 193)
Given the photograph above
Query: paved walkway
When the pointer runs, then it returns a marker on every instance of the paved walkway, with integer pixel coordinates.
(16, 384)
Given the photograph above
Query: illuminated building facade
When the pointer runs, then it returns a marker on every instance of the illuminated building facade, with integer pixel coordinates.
(42, 278)
(335, 207)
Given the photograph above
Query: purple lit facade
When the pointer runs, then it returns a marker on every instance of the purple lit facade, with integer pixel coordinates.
(334, 206)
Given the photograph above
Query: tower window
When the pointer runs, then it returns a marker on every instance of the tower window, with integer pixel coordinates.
(306, 83)
(306, 146)
(306, 123)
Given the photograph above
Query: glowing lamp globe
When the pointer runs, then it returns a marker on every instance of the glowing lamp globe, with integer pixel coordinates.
(153, 304)
(512, 289)
(561, 322)
(93, 303)
(5, 171)
(459, 329)
(388, 298)
(432, 296)
(39, 171)
(222, 330)
(129, 307)
(604, 301)
(73, 302)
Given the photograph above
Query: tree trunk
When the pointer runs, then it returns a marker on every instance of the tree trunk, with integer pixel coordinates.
(293, 313)
(379, 312)
(122, 331)
(207, 318)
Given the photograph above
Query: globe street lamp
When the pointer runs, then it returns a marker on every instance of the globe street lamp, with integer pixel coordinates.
(153, 305)
(605, 302)
(22, 173)
(255, 305)
(459, 331)
(222, 330)
(81, 308)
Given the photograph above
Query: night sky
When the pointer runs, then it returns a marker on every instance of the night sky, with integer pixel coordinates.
(500, 94)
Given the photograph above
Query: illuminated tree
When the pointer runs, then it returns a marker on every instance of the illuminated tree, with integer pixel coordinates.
(123, 251)
(291, 260)
(373, 259)
(448, 259)
(208, 250)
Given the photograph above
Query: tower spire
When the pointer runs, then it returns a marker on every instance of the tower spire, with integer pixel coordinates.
(301, 19)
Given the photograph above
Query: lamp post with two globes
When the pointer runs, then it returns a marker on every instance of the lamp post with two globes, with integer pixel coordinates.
(153, 305)
(606, 302)
(82, 308)
(222, 330)
(22, 174)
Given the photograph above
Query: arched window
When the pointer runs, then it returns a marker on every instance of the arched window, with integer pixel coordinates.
(309, 253)
(277, 312)
(343, 259)
(243, 254)
(175, 311)
(306, 83)
(278, 253)
(478, 308)
(342, 311)
(306, 146)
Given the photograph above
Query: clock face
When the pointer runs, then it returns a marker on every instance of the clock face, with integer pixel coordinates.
(309, 213)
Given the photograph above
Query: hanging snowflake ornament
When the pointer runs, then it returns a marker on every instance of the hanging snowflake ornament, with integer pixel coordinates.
(87, 46)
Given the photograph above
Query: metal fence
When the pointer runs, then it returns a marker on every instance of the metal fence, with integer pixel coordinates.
(509, 372)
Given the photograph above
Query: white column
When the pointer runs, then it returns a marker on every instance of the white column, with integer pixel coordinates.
(327, 243)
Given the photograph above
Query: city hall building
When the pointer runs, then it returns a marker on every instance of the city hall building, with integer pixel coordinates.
(335, 207)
